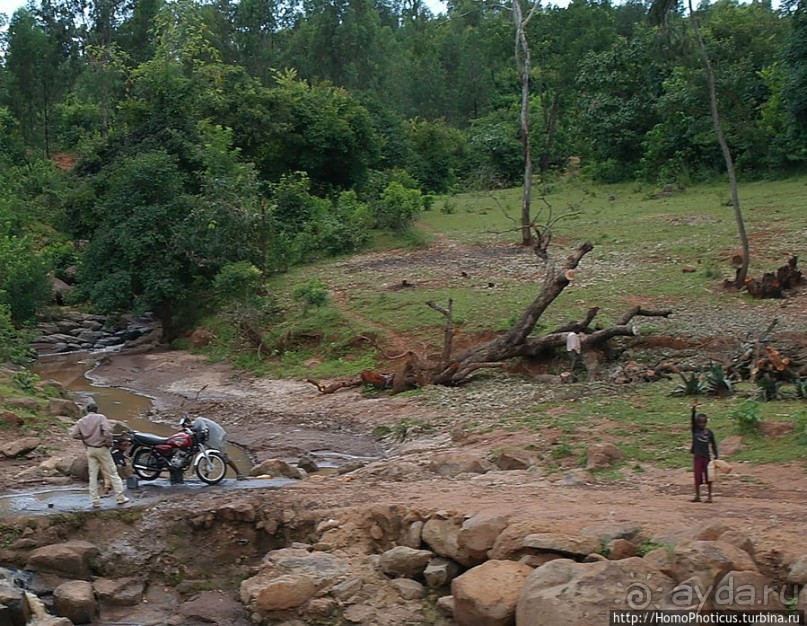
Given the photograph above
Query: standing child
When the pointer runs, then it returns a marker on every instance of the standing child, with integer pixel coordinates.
(703, 443)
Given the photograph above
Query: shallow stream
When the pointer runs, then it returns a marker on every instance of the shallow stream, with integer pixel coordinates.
(74, 372)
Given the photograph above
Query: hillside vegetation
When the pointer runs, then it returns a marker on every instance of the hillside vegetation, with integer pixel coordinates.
(658, 250)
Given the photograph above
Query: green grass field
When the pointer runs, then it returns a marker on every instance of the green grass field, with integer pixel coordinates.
(643, 242)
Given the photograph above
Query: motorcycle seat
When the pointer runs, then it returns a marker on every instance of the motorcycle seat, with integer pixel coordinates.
(148, 439)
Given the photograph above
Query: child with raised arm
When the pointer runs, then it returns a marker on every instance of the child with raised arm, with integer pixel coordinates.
(703, 444)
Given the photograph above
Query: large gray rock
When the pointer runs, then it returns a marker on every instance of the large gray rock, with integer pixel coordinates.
(566, 592)
(402, 561)
(17, 612)
(71, 559)
(20, 447)
(708, 561)
(75, 601)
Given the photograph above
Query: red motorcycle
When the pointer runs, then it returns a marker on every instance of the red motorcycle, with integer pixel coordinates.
(177, 454)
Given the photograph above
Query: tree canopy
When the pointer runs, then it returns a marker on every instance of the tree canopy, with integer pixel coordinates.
(149, 145)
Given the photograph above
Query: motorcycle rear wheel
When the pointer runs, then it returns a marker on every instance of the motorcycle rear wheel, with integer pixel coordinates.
(146, 464)
(213, 470)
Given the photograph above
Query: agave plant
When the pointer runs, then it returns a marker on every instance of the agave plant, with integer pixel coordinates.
(769, 389)
(692, 386)
(801, 388)
(717, 382)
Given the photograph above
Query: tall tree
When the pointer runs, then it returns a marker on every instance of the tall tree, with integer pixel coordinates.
(523, 65)
(795, 84)
(660, 10)
(33, 65)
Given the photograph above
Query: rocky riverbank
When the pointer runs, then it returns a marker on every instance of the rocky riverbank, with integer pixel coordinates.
(437, 527)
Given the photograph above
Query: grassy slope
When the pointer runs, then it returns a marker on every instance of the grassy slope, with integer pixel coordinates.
(642, 243)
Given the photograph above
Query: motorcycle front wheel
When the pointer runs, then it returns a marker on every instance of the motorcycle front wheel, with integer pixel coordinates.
(211, 469)
(146, 464)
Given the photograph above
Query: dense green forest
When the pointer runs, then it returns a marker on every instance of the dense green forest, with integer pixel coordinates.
(169, 156)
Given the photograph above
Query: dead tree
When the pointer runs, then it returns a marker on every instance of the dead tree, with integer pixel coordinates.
(452, 369)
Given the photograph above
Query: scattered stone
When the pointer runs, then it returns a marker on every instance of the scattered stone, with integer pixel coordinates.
(20, 447)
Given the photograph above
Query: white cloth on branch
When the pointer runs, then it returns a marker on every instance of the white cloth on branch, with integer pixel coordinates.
(573, 342)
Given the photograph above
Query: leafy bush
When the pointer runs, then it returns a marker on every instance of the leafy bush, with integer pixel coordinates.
(24, 285)
(312, 293)
(237, 281)
(397, 207)
(747, 416)
(711, 382)
(13, 342)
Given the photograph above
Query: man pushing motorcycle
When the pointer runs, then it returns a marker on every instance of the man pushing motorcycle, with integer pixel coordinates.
(216, 438)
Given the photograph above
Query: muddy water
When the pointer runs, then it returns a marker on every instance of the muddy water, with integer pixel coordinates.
(71, 370)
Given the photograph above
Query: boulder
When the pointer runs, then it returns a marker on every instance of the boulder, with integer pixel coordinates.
(61, 406)
(478, 534)
(276, 467)
(440, 572)
(747, 591)
(20, 447)
(621, 549)
(402, 561)
(566, 592)
(602, 456)
(455, 463)
(119, 591)
(562, 544)
(17, 611)
(74, 600)
(708, 561)
(486, 595)
(284, 592)
(514, 459)
(290, 577)
(71, 559)
(797, 571)
(408, 589)
(441, 534)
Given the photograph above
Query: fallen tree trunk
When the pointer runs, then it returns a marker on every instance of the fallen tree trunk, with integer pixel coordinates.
(453, 369)
(508, 345)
